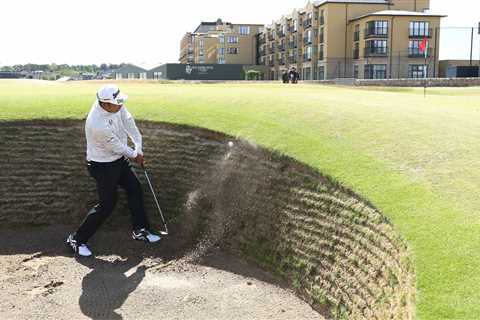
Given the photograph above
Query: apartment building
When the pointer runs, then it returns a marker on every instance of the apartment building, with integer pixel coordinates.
(371, 39)
(220, 43)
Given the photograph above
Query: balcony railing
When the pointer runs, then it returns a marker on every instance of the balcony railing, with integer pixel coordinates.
(376, 33)
(307, 23)
(420, 33)
(376, 52)
(321, 56)
(356, 36)
(307, 41)
(415, 53)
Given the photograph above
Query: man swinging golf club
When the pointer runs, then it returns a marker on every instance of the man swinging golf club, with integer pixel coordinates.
(107, 127)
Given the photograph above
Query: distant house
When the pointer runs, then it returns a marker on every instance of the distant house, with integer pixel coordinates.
(130, 72)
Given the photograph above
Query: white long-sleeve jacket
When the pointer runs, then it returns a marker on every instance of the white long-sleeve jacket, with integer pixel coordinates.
(107, 135)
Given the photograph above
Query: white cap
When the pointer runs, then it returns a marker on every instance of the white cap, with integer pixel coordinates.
(111, 94)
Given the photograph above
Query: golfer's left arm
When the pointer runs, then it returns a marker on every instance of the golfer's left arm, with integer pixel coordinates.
(132, 130)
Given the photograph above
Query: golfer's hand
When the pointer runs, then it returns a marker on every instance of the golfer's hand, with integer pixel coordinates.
(139, 160)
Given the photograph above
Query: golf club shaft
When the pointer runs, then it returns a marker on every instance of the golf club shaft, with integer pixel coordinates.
(156, 200)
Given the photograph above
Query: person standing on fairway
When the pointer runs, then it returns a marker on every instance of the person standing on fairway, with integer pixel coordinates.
(107, 129)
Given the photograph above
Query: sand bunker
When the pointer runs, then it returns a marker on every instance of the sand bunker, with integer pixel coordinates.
(333, 248)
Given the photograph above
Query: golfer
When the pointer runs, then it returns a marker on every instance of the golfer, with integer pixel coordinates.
(108, 161)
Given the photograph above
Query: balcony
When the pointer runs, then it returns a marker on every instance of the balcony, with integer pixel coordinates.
(307, 23)
(415, 53)
(419, 33)
(376, 52)
(307, 41)
(356, 36)
(376, 33)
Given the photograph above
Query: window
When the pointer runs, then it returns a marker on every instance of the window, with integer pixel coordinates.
(295, 25)
(221, 60)
(419, 29)
(232, 50)
(356, 34)
(322, 35)
(244, 30)
(321, 73)
(414, 48)
(201, 52)
(376, 48)
(322, 17)
(221, 39)
(356, 51)
(232, 39)
(377, 28)
(417, 71)
(309, 36)
(321, 53)
(221, 51)
(355, 71)
(375, 71)
(308, 53)
(201, 43)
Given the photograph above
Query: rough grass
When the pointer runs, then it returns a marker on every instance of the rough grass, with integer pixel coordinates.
(416, 159)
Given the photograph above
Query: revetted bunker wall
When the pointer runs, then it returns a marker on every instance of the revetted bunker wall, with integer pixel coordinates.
(335, 249)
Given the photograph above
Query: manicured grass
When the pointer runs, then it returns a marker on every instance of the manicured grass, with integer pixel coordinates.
(416, 159)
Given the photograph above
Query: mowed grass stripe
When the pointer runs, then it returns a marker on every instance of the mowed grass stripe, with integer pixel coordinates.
(416, 159)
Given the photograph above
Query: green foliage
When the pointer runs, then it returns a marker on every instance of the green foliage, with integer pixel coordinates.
(253, 75)
(415, 158)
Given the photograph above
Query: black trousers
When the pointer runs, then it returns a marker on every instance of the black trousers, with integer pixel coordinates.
(109, 176)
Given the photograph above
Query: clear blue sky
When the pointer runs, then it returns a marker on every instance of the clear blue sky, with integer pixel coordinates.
(148, 32)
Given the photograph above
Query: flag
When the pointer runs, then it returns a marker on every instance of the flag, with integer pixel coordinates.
(424, 46)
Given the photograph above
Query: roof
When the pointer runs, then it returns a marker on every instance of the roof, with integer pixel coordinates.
(398, 13)
(130, 68)
(320, 2)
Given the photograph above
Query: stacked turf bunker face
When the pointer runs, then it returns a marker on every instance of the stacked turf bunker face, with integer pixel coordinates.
(334, 248)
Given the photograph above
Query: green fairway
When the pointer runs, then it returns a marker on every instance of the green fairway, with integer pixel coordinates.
(417, 159)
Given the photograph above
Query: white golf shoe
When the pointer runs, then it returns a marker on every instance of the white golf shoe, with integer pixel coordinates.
(79, 248)
(145, 235)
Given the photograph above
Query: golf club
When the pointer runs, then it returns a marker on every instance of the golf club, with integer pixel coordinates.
(165, 231)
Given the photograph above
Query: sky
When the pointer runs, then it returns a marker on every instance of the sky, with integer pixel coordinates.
(148, 32)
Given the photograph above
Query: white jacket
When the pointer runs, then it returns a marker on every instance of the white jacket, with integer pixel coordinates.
(107, 135)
